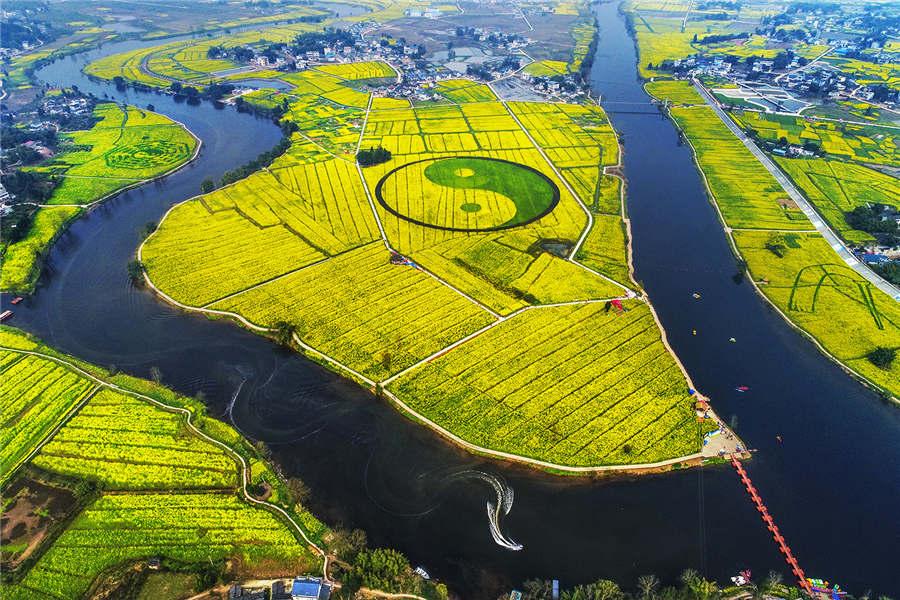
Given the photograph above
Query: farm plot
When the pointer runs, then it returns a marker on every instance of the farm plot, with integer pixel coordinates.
(573, 135)
(547, 68)
(836, 188)
(332, 127)
(126, 65)
(583, 34)
(575, 385)
(20, 263)
(123, 148)
(675, 91)
(748, 196)
(823, 296)
(464, 90)
(35, 396)
(187, 61)
(259, 228)
(129, 444)
(861, 143)
(185, 527)
(359, 70)
(197, 255)
(376, 317)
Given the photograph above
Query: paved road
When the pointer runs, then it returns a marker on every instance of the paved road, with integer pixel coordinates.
(830, 236)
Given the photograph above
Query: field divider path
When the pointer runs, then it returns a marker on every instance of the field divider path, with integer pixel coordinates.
(499, 321)
(273, 279)
(590, 224)
(836, 243)
(245, 468)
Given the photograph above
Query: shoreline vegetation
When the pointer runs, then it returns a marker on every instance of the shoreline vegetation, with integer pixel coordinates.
(787, 263)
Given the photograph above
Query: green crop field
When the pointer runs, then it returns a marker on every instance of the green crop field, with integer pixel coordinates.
(675, 91)
(360, 70)
(128, 444)
(547, 68)
(848, 141)
(378, 319)
(36, 395)
(837, 187)
(125, 147)
(463, 90)
(168, 492)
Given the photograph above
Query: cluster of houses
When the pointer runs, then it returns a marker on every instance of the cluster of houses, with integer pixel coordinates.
(64, 105)
(298, 588)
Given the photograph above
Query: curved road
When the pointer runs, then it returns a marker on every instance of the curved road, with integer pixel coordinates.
(818, 222)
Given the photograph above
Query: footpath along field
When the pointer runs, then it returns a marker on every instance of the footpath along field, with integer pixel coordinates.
(166, 491)
(125, 146)
(488, 217)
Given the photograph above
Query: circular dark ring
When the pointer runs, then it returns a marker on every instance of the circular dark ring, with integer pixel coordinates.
(553, 201)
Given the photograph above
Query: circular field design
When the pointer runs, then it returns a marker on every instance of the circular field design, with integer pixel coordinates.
(467, 193)
(147, 154)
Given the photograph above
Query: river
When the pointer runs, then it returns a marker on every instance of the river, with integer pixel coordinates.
(832, 485)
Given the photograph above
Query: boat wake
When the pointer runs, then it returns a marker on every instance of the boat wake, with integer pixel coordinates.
(496, 510)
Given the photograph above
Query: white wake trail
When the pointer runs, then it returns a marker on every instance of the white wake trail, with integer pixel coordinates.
(504, 503)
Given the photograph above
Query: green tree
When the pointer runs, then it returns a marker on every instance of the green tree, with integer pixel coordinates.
(776, 244)
(383, 569)
(882, 357)
(298, 490)
(207, 186)
(603, 589)
(284, 333)
(136, 272)
(648, 586)
(347, 544)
